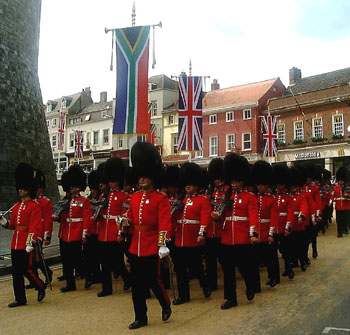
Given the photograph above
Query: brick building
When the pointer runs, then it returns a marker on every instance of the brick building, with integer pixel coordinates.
(314, 119)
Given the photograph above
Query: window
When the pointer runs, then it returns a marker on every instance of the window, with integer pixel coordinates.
(105, 136)
(230, 142)
(338, 126)
(247, 114)
(120, 142)
(96, 133)
(298, 130)
(154, 108)
(54, 122)
(171, 119)
(213, 146)
(281, 132)
(198, 154)
(63, 103)
(229, 116)
(317, 127)
(47, 123)
(48, 108)
(212, 119)
(54, 140)
(88, 140)
(247, 141)
(104, 114)
(71, 140)
(87, 117)
(174, 144)
(75, 120)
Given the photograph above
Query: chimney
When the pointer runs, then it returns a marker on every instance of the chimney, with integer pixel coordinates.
(294, 75)
(215, 85)
(87, 91)
(103, 97)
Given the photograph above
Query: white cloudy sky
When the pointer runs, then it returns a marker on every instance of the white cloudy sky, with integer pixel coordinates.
(236, 42)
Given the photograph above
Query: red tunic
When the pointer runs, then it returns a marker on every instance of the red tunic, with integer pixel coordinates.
(25, 220)
(110, 217)
(342, 201)
(298, 206)
(214, 228)
(46, 206)
(148, 214)
(78, 218)
(326, 192)
(265, 202)
(308, 192)
(279, 212)
(241, 219)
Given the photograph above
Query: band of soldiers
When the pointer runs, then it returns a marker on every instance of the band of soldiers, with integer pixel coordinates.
(234, 214)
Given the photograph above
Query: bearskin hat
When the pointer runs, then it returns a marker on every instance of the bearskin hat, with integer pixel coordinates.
(262, 173)
(297, 176)
(204, 179)
(236, 167)
(101, 176)
(146, 161)
(327, 176)
(92, 180)
(280, 174)
(215, 169)
(114, 170)
(342, 174)
(190, 174)
(64, 181)
(77, 177)
(40, 179)
(130, 178)
(171, 176)
(25, 178)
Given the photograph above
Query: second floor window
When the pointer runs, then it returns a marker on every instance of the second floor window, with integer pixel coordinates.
(88, 138)
(54, 140)
(247, 141)
(105, 136)
(338, 125)
(154, 108)
(317, 127)
(71, 140)
(96, 133)
(298, 130)
(229, 116)
(247, 114)
(54, 122)
(75, 120)
(281, 132)
(198, 154)
(212, 119)
(47, 123)
(230, 142)
(120, 142)
(171, 119)
(213, 146)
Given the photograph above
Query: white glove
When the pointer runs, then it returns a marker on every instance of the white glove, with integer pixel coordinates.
(29, 248)
(163, 252)
(3, 221)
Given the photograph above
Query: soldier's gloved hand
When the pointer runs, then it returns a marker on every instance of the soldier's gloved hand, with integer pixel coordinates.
(29, 248)
(163, 252)
(3, 221)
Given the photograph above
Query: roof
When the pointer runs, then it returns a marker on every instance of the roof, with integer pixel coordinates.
(98, 107)
(56, 103)
(248, 93)
(320, 82)
(163, 81)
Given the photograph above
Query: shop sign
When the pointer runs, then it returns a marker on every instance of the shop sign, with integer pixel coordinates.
(312, 154)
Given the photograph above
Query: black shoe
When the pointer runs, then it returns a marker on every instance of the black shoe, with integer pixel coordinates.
(104, 293)
(61, 278)
(323, 231)
(16, 304)
(180, 301)
(67, 289)
(314, 254)
(308, 261)
(271, 282)
(126, 286)
(303, 267)
(115, 275)
(339, 235)
(166, 312)
(88, 284)
(137, 324)
(29, 286)
(41, 294)
(291, 274)
(250, 295)
(206, 291)
(228, 304)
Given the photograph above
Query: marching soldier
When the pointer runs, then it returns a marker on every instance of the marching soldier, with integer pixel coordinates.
(27, 225)
(149, 218)
(74, 229)
(191, 223)
(239, 232)
(326, 192)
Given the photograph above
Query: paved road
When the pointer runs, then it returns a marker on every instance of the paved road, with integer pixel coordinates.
(315, 302)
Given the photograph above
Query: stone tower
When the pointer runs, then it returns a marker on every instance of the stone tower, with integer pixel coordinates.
(23, 132)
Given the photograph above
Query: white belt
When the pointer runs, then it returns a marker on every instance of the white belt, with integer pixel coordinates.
(296, 213)
(341, 199)
(283, 214)
(111, 216)
(264, 220)
(74, 219)
(184, 221)
(236, 218)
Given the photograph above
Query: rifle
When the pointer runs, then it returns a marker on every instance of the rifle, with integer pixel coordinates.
(59, 207)
(97, 205)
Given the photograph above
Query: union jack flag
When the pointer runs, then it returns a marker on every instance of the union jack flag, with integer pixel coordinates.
(269, 135)
(190, 114)
(61, 129)
(78, 144)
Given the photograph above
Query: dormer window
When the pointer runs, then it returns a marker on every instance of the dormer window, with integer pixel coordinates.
(63, 103)
(48, 108)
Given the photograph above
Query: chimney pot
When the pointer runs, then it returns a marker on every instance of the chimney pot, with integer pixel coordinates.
(215, 85)
(103, 97)
(294, 75)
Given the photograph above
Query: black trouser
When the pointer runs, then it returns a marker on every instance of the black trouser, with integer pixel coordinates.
(112, 257)
(211, 257)
(255, 270)
(299, 240)
(22, 267)
(144, 276)
(269, 256)
(285, 248)
(311, 235)
(241, 256)
(71, 259)
(342, 218)
(189, 259)
(91, 264)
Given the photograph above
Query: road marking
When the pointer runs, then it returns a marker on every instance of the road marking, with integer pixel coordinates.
(327, 329)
